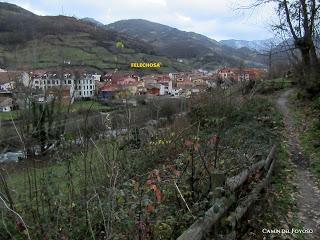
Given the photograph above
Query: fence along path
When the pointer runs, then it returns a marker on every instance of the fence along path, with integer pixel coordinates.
(221, 207)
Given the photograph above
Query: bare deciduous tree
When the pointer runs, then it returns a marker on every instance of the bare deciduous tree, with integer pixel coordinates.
(299, 20)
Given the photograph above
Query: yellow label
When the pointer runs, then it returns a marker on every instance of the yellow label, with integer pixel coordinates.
(145, 65)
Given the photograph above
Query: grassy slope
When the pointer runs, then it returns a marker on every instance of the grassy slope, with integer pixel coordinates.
(82, 51)
(273, 85)
(89, 105)
(9, 115)
(75, 107)
(31, 41)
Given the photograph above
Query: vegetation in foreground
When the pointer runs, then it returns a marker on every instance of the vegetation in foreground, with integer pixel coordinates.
(151, 184)
(273, 85)
(307, 120)
(75, 107)
(278, 209)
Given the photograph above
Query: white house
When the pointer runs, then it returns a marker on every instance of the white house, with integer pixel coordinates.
(167, 87)
(85, 87)
(96, 77)
(174, 76)
(175, 91)
(25, 79)
(211, 84)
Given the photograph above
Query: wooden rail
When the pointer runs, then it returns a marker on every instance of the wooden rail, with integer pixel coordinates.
(203, 226)
(243, 206)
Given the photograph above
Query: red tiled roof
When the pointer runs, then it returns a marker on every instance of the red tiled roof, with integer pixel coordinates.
(127, 81)
(152, 86)
(117, 77)
(163, 78)
(109, 88)
(100, 84)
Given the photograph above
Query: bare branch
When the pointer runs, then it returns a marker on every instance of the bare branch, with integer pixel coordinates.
(18, 215)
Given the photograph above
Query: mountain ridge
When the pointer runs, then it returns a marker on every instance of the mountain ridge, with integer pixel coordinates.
(31, 41)
(181, 44)
(256, 45)
(155, 33)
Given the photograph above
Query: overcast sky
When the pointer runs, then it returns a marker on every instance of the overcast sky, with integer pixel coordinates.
(217, 19)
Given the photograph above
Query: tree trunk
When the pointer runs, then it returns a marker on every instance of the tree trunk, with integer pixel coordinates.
(309, 78)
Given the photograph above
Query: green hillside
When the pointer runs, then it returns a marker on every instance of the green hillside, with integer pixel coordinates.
(28, 41)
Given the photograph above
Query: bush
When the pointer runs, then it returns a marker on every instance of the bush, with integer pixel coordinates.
(316, 104)
(109, 192)
(212, 109)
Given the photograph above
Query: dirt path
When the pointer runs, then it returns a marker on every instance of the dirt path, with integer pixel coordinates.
(309, 194)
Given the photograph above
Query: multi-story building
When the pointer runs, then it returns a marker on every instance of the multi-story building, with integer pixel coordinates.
(81, 86)
(240, 74)
(84, 87)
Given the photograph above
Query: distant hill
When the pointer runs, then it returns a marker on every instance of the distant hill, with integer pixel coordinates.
(255, 45)
(172, 42)
(165, 39)
(31, 41)
(93, 21)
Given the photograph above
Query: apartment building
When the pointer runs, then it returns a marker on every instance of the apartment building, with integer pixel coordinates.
(81, 86)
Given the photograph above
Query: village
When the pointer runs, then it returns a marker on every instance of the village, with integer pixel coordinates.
(75, 85)
(158, 119)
